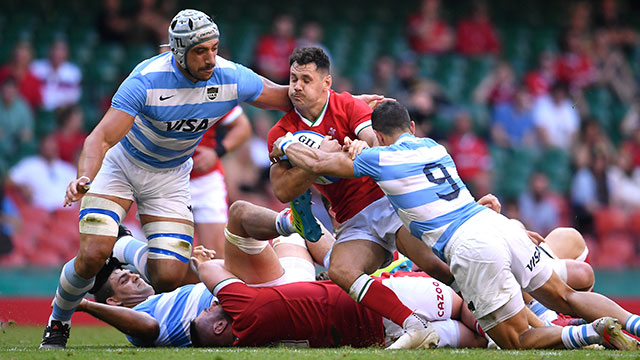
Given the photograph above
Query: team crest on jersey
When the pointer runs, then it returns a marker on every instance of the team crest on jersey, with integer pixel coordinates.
(212, 92)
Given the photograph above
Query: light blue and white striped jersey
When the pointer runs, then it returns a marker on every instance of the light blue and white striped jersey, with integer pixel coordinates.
(174, 312)
(422, 183)
(171, 112)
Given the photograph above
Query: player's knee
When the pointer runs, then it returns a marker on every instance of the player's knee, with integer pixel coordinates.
(342, 275)
(89, 262)
(581, 276)
(166, 279)
(237, 213)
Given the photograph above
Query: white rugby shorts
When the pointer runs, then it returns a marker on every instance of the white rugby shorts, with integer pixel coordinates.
(209, 199)
(162, 193)
(378, 222)
(493, 260)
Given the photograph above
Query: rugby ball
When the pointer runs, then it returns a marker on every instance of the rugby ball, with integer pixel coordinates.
(313, 140)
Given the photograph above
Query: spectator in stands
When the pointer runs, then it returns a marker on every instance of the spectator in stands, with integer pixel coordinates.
(631, 121)
(556, 118)
(475, 34)
(589, 189)
(497, 87)
(43, 178)
(580, 18)
(70, 133)
(311, 36)
(60, 79)
(574, 65)
(471, 155)
(624, 179)
(18, 68)
(632, 147)
(422, 110)
(539, 81)
(538, 206)
(273, 50)
(9, 222)
(428, 33)
(619, 34)
(151, 22)
(612, 69)
(591, 139)
(382, 79)
(16, 123)
(113, 24)
(512, 125)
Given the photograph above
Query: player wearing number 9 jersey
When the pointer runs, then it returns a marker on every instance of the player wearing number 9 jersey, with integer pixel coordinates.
(491, 257)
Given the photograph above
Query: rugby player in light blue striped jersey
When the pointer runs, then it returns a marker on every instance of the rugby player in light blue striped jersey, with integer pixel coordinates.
(491, 258)
(141, 150)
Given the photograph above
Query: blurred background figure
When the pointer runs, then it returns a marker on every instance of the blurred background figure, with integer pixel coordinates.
(497, 87)
(70, 133)
(556, 118)
(539, 207)
(18, 67)
(273, 50)
(60, 78)
(475, 34)
(16, 124)
(114, 26)
(512, 122)
(428, 33)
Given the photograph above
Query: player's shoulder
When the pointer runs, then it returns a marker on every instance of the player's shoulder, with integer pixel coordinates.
(223, 63)
(159, 64)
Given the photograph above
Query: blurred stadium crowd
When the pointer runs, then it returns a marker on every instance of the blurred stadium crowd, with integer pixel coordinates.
(537, 102)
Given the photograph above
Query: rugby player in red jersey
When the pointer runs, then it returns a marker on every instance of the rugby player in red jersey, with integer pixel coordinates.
(368, 226)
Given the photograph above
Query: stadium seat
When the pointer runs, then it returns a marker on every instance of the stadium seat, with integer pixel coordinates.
(610, 221)
(615, 252)
(634, 223)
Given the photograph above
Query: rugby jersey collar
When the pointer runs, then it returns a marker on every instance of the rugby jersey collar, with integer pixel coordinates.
(318, 120)
(404, 138)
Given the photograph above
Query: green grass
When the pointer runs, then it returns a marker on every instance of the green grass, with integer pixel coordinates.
(21, 342)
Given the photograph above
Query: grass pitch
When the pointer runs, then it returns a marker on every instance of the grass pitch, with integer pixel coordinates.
(21, 342)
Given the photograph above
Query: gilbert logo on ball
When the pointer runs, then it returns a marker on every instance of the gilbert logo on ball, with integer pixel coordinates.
(313, 140)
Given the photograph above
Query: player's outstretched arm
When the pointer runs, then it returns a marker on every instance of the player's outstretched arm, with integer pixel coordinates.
(211, 272)
(133, 323)
(112, 128)
(317, 161)
(273, 97)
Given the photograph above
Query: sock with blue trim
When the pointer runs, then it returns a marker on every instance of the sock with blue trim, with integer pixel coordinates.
(71, 289)
(632, 325)
(575, 337)
(284, 223)
(131, 251)
(541, 311)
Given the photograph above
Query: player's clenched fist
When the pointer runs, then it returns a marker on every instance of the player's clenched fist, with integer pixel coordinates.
(76, 190)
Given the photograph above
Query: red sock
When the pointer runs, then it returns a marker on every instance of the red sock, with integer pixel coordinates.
(478, 328)
(385, 302)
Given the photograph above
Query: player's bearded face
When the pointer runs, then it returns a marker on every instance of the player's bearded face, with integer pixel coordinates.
(307, 85)
(201, 59)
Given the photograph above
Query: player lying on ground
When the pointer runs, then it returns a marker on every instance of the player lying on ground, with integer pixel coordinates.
(150, 322)
(491, 258)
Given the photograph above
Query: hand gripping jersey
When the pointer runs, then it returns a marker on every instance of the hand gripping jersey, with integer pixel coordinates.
(422, 183)
(174, 312)
(314, 314)
(172, 113)
(342, 116)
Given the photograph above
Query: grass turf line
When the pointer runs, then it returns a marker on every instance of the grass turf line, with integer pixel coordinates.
(21, 342)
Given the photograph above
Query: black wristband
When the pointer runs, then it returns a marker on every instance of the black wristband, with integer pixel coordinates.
(220, 150)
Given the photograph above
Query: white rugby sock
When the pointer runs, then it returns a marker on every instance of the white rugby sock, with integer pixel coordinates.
(284, 223)
(575, 337)
(128, 250)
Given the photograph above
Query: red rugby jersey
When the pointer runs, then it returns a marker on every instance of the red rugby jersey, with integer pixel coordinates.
(318, 312)
(344, 116)
(209, 140)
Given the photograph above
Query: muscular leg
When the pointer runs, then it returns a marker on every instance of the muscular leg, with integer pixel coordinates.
(211, 236)
(566, 243)
(514, 333)
(78, 274)
(168, 264)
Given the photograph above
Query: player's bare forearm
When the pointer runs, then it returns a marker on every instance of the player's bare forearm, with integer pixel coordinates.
(289, 182)
(133, 323)
(321, 162)
(273, 97)
(238, 132)
(212, 272)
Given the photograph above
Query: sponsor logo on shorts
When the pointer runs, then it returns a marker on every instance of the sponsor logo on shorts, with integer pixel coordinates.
(190, 208)
(471, 306)
(535, 259)
(439, 298)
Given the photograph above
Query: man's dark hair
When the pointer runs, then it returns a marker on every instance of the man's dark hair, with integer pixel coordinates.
(102, 289)
(390, 117)
(193, 331)
(307, 55)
